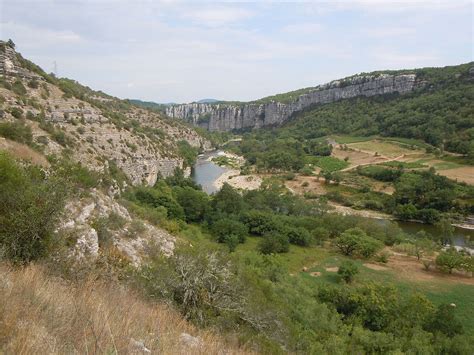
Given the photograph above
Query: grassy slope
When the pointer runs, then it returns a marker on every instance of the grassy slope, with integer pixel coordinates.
(43, 314)
(319, 258)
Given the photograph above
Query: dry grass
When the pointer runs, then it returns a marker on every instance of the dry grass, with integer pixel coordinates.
(40, 314)
(385, 149)
(23, 152)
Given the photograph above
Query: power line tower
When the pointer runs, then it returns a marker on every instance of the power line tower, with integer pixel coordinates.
(55, 68)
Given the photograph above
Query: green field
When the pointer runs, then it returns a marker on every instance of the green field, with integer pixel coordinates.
(329, 164)
(405, 165)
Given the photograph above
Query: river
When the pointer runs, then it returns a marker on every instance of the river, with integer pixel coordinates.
(206, 172)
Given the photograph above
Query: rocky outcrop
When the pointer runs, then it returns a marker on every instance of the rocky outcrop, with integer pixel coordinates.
(227, 117)
(10, 65)
(132, 237)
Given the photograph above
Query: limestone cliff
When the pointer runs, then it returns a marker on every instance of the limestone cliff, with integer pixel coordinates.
(93, 128)
(226, 117)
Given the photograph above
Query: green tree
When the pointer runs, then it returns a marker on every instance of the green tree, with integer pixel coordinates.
(347, 271)
(444, 321)
(298, 236)
(226, 228)
(449, 260)
(195, 203)
(274, 242)
(227, 200)
(446, 231)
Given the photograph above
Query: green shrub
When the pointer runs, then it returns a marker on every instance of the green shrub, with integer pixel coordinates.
(274, 242)
(347, 271)
(298, 236)
(33, 83)
(450, 260)
(18, 88)
(355, 240)
(31, 204)
(160, 195)
(227, 228)
(16, 131)
(16, 112)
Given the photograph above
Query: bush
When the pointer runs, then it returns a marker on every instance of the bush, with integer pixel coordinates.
(160, 195)
(31, 206)
(200, 283)
(274, 242)
(347, 271)
(445, 322)
(194, 202)
(18, 88)
(227, 228)
(33, 83)
(450, 260)
(298, 236)
(16, 112)
(260, 223)
(355, 240)
(16, 131)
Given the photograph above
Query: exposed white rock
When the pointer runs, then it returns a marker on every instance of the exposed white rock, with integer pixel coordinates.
(190, 341)
(138, 345)
(87, 245)
(226, 117)
(81, 215)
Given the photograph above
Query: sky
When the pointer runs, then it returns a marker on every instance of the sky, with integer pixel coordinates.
(174, 51)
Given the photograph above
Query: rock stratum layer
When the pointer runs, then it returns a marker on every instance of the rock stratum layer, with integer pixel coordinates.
(228, 117)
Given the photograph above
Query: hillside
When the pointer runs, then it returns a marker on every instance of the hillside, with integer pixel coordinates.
(432, 104)
(60, 116)
(107, 245)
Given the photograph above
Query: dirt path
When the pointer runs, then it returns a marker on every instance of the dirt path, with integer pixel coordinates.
(409, 268)
(375, 163)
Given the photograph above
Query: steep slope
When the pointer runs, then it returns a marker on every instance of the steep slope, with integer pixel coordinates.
(91, 127)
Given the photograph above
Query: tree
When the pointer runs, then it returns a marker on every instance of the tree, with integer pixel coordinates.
(406, 212)
(348, 241)
(194, 202)
(227, 200)
(347, 271)
(356, 240)
(423, 245)
(298, 236)
(445, 321)
(226, 228)
(446, 231)
(260, 223)
(368, 246)
(274, 242)
(160, 195)
(449, 260)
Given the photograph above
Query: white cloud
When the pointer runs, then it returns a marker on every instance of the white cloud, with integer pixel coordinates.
(387, 58)
(33, 36)
(382, 32)
(303, 28)
(217, 16)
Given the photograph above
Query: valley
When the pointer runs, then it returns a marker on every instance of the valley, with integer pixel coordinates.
(324, 220)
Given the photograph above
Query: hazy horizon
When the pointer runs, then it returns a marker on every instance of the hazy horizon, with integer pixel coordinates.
(186, 51)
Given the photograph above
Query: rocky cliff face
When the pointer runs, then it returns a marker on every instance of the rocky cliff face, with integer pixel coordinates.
(226, 117)
(96, 129)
